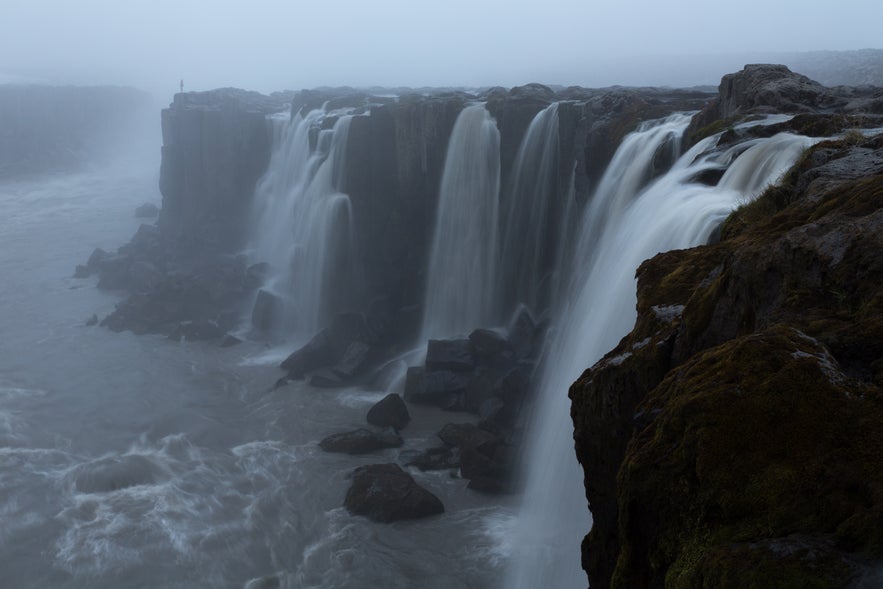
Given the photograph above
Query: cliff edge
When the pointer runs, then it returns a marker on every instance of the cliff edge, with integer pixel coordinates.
(733, 438)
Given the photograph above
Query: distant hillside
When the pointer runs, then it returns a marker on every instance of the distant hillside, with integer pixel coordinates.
(839, 68)
(44, 128)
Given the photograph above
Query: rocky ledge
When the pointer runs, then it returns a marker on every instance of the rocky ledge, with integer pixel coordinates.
(733, 438)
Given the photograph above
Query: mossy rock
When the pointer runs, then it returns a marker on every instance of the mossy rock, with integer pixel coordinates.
(762, 437)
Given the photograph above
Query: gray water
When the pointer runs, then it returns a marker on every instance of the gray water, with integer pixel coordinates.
(134, 461)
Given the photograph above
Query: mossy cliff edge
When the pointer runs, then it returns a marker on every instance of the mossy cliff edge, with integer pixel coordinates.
(735, 437)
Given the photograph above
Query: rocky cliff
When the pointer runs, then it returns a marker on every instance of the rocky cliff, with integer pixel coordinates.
(215, 147)
(733, 438)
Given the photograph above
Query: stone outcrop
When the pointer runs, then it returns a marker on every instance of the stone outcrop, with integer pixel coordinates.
(385, 493)
(766, 89)
(732, 439)
(215, 147)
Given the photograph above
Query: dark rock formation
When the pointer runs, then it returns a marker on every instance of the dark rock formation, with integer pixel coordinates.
(215, 147)
(765, 89)
(343, 351)
(390, 411)
(386, 493)
(361, 441)
(732, 439)
(265, 312)
(464, 374)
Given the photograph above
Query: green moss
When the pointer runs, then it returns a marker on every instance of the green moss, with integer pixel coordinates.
(754, 440)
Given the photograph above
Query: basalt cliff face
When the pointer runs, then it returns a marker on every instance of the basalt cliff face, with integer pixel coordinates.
(733, 438)
(217, 144)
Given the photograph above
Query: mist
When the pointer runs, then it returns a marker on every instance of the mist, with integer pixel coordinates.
(270, 45)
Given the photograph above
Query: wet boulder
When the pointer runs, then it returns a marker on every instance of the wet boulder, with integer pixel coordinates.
(361, 441)
(439, 458)
(441, 388)
(345, 348)
(355, 360)
(265, 310)
(484, 458)
(488, 343)
(462, 435)
(385, 493)
(389, 412)
(455, 355)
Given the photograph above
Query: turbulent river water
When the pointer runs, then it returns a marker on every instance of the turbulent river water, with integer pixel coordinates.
(136, 461)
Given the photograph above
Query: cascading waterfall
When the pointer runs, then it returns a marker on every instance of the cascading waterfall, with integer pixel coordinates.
(623, 225)
(461, 289)
(531, 216)
(303, 223)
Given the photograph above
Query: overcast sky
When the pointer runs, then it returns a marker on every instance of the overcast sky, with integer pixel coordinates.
(274, 44)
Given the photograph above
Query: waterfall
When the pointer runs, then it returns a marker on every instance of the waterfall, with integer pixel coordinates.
(460, 289)
(625, 223)
(303, 225)
(532, 215)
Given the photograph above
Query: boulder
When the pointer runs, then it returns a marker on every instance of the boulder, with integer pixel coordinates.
(465, 435)
(355, 361)
(361, 441)
(455, 355)
(385, 493)
(389, 412)
(82, 271)
(488, 343)
(340, 345)
(441, 458)
(265, 311)
(441, 388)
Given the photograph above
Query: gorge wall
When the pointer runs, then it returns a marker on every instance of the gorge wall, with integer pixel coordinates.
(781, 311)
(731, 439)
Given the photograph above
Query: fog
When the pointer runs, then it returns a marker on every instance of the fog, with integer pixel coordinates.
(271, 45)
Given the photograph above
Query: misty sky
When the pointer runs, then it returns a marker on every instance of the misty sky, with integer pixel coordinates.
(274, 44)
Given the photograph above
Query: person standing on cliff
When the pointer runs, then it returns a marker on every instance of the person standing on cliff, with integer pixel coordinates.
(182, 85)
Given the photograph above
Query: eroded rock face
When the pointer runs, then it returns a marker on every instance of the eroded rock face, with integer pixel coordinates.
(386, 493)
(215, 147)
(731, 437)
(765, 88)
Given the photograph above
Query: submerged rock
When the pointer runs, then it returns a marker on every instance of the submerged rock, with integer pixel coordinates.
(385, 493)
(361, 441)
(440, 458)
(114, 473)
(265, 312)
